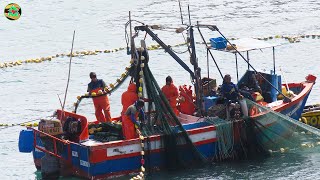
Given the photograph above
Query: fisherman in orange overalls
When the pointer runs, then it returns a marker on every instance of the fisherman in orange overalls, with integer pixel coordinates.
(171, 93)
(186, 100)
(129, 97)
(130, 119)
(101, 103)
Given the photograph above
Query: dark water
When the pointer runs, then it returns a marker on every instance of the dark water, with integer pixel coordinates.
(29, 91)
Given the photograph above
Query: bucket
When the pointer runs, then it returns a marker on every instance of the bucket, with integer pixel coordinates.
(26, 141)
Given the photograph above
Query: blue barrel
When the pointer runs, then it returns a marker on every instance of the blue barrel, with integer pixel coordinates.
(26, 141)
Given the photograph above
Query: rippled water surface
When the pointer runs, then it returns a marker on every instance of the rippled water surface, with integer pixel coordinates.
(29, 91)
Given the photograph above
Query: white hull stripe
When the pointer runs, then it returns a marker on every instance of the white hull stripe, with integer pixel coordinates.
(155, 145)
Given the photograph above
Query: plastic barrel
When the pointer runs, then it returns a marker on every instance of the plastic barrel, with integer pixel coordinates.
(26, 141)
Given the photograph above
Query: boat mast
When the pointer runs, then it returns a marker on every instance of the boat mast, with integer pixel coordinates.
(274, 60)
(132, 46)
(197, 71)
(196, 68)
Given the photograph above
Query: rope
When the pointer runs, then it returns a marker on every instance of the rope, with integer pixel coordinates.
(141, 175)
(7, 64)
(108, 90)
(27, 124)
(30, 123)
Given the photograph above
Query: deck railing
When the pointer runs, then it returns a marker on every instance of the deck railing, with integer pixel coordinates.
(55, 140)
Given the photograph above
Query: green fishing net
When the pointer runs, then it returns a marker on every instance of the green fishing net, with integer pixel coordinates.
(276, 132)
(162, 120)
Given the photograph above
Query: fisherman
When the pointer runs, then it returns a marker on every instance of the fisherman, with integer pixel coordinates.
(251, 89)
(130, 119)
(101, 103)
(231, 93)
(254, 83)
(229, 90)
(186, 104)
(171, 93)
(129, 97)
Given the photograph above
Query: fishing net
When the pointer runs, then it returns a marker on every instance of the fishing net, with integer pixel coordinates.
(224, 135)
(162, 120)
(236, 138)
(276, 132)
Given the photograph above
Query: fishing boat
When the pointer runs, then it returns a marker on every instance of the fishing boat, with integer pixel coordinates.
(311, 115)
(166, 139)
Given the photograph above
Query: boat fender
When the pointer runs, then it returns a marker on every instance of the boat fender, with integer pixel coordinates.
(26, 141)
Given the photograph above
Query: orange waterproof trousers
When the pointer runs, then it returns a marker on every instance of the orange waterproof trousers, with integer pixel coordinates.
(101, 103)
(128, 128)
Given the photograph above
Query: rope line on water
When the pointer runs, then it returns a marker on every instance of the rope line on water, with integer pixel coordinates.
(289, 38)
(109, 89)
(32, 123)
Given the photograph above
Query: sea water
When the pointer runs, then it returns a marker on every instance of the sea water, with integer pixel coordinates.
(45, 28)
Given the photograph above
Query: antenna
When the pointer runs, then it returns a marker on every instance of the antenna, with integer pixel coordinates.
(131, 42)
(180, 12)
(189, 15)
(65, 94)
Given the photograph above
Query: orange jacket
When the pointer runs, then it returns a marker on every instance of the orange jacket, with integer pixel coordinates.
(129, 97)
(171, 93)
(187, 106)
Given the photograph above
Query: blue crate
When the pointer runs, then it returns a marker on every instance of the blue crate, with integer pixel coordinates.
(218, 43)
(209, 101)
